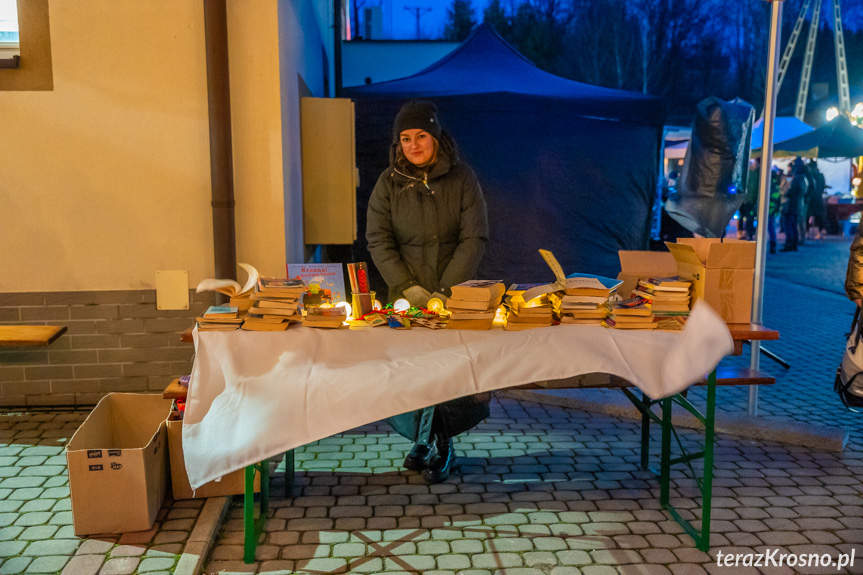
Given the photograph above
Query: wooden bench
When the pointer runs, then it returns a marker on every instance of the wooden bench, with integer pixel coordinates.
(28, 335)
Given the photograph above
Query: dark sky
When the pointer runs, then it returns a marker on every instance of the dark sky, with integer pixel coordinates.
(401, 23)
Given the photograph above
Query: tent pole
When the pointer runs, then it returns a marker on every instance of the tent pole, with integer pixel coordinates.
(764, 197)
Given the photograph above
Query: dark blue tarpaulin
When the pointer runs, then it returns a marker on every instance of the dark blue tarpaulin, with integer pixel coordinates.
(564, 166)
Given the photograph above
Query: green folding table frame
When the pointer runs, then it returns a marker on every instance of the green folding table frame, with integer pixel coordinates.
(739, 332)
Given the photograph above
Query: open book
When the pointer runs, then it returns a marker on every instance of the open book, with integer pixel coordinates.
(231, 288)
(574, 284)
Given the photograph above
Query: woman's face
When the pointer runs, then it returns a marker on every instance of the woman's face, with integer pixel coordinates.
(417, 146)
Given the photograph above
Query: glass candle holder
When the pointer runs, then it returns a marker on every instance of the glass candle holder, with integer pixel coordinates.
(362, 303)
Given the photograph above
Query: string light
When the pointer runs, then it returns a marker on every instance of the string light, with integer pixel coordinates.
(347, 307)
(500, 317)
(435, 304)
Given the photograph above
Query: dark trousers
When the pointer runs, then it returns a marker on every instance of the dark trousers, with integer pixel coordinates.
(789, 226)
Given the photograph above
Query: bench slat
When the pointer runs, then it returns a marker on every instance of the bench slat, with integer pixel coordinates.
(19, 335)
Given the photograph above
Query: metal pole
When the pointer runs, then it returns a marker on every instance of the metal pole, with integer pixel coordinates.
(764, 197)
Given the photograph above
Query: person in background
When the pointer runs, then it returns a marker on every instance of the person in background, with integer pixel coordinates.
(427, 228)
(803, 212)
(791, 203)
(749, 207)
(815, 202)
(776, 179)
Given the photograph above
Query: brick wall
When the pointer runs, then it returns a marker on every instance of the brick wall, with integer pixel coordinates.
(116, 341)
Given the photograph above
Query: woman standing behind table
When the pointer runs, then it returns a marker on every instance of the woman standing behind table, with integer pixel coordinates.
(427, 228)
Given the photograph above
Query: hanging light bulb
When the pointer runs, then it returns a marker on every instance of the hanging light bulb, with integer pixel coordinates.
(832, 112)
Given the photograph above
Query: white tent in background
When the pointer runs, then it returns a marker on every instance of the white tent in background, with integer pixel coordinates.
(676, 151)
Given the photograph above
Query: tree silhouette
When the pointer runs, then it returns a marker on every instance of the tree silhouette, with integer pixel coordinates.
(460, 21)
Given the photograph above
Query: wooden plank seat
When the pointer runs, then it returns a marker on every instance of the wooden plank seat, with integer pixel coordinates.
(27, 335)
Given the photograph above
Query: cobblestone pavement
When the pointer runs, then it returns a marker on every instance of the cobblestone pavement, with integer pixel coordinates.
(542, 489)
(35, 510)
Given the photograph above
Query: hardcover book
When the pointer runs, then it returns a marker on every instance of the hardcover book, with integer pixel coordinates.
(320, 277)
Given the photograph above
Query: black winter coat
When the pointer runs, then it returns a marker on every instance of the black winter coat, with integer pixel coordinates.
(428, 231)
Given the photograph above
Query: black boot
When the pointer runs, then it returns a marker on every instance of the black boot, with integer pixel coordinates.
(442, 462)
(418, 458)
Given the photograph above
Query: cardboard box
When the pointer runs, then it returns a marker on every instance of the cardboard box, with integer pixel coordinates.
(231, 484)
(635, 265)
(117, 460)
(722, 273)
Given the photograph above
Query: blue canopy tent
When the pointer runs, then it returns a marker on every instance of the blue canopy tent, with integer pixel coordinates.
(564, 166)
(838, 138)
(784, 127)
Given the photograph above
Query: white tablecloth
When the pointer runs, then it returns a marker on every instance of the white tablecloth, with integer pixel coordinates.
(254, 395)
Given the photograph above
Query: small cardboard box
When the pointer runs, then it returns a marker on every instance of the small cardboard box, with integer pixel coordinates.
(231, 484)
(117, 460)
(635, 265)
(722, 273)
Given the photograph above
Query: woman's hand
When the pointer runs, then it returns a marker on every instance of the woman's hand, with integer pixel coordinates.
(858, 301)
(417, 296)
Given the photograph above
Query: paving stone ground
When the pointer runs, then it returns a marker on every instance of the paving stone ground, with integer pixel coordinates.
(36, 534)
(542, 489)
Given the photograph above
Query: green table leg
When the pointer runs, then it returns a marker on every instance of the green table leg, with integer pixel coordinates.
(665, 454)
(707, 484)
(289, 474)
(645, 433)
(702, 536)
(252, 528)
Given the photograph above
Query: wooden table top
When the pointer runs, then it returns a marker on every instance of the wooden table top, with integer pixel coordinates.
(19, 335)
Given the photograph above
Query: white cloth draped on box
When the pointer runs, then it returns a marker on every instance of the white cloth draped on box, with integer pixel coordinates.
(254, 395)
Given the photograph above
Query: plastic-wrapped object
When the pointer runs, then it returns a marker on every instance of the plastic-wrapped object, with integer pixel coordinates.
(713, 180)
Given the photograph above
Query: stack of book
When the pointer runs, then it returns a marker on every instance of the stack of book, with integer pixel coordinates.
(668, 295)
(219, 318)
(583, 301)
(473, 304)
(526, 314)
(326, 317)
(274, 304)
(633, 313)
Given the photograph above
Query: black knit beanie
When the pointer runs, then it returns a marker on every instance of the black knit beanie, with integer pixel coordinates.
(417, 115)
